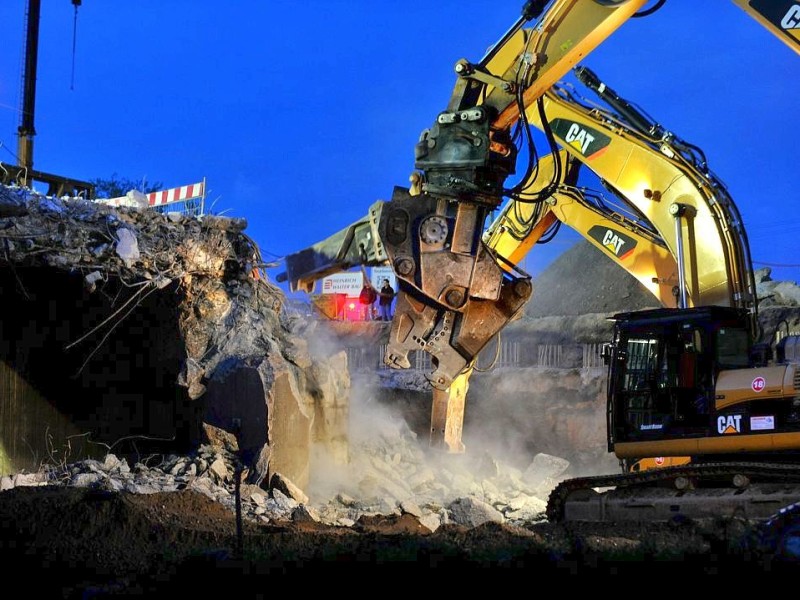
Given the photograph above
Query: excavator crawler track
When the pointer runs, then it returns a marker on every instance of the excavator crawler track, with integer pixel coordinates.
(754, 491)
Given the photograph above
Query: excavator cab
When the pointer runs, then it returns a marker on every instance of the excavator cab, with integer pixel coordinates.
(663, 366)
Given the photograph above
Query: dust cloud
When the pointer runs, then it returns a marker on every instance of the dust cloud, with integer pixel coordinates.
(391, 462)
(517, 413)
(524, 430)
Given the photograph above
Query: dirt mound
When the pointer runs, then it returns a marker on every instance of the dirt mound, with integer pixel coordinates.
(584, 281)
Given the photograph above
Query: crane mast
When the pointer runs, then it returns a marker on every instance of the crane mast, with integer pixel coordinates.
(23, 173)
(26, 129)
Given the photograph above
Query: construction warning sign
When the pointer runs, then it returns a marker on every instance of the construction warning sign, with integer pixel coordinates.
(343, 283)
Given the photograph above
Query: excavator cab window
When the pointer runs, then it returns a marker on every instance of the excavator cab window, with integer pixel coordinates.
(643, 374)
(664, 385)
(733, 348)
(642, 364)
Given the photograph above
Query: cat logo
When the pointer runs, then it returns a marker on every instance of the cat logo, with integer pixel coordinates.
(791, 20)
(616, 242)
(777, 14)
(729, 424)
(589, 142)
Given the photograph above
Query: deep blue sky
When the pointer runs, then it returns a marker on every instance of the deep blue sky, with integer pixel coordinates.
(301, 114)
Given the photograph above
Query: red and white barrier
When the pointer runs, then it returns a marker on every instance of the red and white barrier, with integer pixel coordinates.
(136, 199)
(185, 192)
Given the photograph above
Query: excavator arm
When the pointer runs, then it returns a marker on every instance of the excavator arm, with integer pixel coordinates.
(624, 238)
(666, 181)
(358, 244)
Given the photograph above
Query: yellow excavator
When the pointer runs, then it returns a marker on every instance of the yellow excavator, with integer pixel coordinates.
(704, 419)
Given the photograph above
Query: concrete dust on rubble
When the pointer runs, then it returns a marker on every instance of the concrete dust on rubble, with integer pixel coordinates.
(391, 468)
(518, 446)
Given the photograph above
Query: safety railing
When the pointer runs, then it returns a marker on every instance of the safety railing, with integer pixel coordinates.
(513, 354)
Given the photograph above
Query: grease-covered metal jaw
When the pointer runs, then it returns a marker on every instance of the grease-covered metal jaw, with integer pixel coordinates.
(453, 296)
(452, 338)
(434, 246)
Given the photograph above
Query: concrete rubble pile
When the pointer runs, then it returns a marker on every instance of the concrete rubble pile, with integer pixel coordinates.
(240, 362)
(388, 473)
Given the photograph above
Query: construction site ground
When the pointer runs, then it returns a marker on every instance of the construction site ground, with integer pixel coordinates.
(89, 543)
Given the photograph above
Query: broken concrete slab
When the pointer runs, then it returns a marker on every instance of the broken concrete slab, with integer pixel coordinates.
(169, 323)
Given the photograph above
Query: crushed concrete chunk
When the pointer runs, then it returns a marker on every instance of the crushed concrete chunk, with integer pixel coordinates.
(86, 479)
(281, 504)
(281, 483)
(544, 466)
(219, 469)
(127, 246)
(431, 521)
(473, 512)
(411, 508)
(91, 280)
(305, 514)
